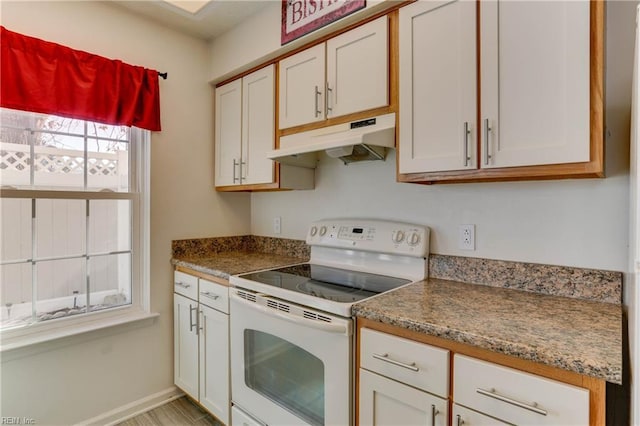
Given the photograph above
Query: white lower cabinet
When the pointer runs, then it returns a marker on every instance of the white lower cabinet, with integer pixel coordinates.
(185, 350)
(402, 382)
(406, 382)
(201, 343)
(214, 362)
(385, 402)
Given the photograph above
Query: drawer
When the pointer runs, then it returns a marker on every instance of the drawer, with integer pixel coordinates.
(416, 364)
(517, 397)
(214, 295)
(185, 284)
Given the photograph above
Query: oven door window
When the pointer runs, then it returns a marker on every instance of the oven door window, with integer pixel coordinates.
(286, 374)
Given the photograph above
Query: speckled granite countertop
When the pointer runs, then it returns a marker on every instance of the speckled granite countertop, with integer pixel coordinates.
(225, 256)
(565, 317)
(576, 335)
(224, 264)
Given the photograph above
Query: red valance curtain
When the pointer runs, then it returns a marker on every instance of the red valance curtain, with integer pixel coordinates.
(45, 77)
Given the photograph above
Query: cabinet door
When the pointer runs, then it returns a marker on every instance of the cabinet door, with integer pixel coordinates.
(358, 69)
(185, 347)
(258, 126)
(384, 401)
(437, 86)
(534, 82)
(301, 88)
(465, 417)
(214, 362)
(228, 130)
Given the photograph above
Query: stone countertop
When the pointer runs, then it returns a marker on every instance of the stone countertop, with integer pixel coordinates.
(572, 334)
(224, 264)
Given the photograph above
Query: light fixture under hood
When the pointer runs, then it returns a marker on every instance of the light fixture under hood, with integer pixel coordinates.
(362, 140)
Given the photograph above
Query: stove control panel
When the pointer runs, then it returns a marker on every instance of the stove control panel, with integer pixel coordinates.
(371, 235)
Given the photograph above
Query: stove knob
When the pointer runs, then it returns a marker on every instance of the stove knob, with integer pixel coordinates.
(323, 230)
(413, 239)
(314, 231)
(398, 237)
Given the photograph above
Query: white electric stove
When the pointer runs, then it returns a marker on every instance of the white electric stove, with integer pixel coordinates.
(292, 360)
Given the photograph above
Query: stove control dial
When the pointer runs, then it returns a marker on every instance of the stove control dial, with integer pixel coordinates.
(314, 231)
(398, 237)
(413, 239)
(323, 230)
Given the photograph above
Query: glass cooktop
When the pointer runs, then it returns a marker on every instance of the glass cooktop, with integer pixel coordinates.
(334, 284)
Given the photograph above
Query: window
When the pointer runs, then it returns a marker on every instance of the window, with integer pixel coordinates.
(72, 210)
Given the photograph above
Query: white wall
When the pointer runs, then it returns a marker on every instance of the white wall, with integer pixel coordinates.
(73, 380)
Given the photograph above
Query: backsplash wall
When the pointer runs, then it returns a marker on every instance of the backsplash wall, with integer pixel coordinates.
(581, 223)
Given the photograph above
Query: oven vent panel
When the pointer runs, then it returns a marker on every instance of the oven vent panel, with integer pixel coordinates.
(316, 317)
(279, 306)
(246, 296)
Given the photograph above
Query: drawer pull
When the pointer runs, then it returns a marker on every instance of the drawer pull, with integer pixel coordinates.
(183, 285)
(492, 394)
(459, 421)
(210, 295)
(434, 413)
(385, 358)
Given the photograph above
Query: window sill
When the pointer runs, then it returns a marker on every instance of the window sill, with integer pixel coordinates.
(27, 337)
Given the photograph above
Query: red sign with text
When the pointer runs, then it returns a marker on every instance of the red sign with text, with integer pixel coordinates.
(300, 17)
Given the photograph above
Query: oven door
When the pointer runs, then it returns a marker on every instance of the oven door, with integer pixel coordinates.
(290, 365)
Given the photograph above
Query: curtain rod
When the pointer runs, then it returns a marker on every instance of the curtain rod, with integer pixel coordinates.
(164, 75)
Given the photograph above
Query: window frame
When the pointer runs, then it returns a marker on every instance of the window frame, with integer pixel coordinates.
(139, 308)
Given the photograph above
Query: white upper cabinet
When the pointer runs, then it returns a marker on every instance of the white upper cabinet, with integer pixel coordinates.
(228, 131)
(535, 82)
(349, 73)
(437, 86)
(245, 129)
(358, 69)
(258, 126)
(302, 86)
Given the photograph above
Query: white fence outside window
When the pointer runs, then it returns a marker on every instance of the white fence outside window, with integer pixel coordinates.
(64, 252)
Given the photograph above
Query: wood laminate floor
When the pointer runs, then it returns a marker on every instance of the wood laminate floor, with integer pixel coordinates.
(180, 411)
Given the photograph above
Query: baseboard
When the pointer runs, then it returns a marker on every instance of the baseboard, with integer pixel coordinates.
(134, 408)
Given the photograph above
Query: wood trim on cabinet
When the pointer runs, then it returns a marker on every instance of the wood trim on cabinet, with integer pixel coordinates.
(596, 387)
(591, 169)
(202, 275)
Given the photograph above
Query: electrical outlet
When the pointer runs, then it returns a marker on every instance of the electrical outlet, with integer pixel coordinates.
(277, 225)
(467, 237)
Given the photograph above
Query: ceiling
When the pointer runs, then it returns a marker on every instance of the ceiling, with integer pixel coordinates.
(202, 19)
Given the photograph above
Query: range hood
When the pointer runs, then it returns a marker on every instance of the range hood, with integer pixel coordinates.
(362, 140)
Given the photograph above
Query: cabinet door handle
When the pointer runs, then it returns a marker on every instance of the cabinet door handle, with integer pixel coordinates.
(434, 413)
(329, 90)
(181, 284)
(191, 323)
(487, 129)
(242, 163)
(235, 163)
(491, 393)
(317, 94)
(459, 421)
(199, 317)
(210, 295)
(385, 358)
(465, 141)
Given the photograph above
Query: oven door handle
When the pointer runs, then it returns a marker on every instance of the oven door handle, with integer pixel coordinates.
(332, 328)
